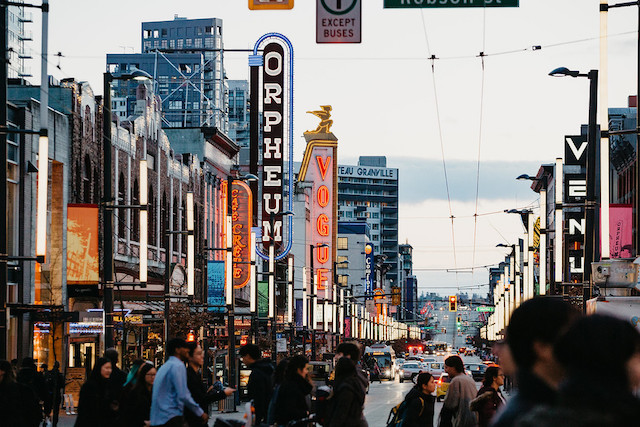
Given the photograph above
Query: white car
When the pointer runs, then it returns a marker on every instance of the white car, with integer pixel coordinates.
(410, 370)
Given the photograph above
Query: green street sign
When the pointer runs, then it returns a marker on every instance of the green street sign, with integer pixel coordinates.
(426, 4)
(485, 309)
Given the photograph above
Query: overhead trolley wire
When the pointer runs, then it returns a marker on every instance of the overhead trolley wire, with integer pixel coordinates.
(444, 163)
(482, 79)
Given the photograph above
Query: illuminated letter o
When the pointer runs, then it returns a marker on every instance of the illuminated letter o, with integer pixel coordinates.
(273, 71)
(323, 196)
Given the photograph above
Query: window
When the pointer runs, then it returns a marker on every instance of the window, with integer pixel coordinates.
(155, 34)
(343, 280)
(197, 42)
(163, 44)
(164, 32)
(180, 43)
(175, 105)
(172, 44)
(375, 226)
(343, 243)
(342, 262)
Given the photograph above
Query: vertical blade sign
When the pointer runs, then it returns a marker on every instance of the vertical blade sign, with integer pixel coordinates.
(272, 147)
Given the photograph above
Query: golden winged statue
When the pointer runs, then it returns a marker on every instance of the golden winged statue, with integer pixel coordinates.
(325, 124)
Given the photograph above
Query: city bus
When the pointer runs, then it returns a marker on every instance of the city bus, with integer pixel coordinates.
(438, 348)
(384, 356)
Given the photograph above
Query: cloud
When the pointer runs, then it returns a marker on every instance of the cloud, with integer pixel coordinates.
(422, 179)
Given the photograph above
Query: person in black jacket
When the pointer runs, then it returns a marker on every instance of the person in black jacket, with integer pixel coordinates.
(29, 376)
(292, 403)
(19, 405)
(586, 398)
(260, 385)
(533, 329)
(199, 392)
(118, 377)
(420, 402)
(348, 397)
(489, 398)
(136, 402)
(98, 406)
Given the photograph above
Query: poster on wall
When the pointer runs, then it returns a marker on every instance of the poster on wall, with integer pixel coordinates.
(621, 230)
(83, 268)
(215, 286)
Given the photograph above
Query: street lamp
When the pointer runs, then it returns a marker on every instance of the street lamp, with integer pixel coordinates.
(107, 291)
(272, 281)
(590, 205)
(543, 228)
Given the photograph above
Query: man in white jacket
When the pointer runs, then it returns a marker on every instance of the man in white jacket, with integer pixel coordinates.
(462, 390)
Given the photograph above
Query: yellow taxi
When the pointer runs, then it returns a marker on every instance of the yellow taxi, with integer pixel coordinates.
(442, 385)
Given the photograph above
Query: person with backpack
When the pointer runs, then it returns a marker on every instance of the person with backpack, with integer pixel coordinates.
(420, 402)
(347, 401)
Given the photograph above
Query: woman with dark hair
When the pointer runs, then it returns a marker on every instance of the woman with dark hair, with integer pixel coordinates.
(201, 395)
(136, 411)
(420, 402)
(278, 379)
(347, 401)
(489, 398)
(19, 405)
(292, 403)
(98, 407)
(603, 345)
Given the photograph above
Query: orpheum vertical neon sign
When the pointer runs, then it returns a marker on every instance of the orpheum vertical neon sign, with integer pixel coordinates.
(276, 88)
(273, 134)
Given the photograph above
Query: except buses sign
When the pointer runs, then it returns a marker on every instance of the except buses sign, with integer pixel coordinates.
(407, 4)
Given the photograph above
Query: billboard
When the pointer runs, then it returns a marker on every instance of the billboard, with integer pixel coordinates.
(241, 220)
(368, 268)
(215, 286)
(83, 266)
(273, 104)
(263, 300)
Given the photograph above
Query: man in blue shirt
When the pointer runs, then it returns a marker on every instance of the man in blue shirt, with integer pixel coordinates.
(170, 392)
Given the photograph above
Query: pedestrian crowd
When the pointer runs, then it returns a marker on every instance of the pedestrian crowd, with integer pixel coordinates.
(552, 353)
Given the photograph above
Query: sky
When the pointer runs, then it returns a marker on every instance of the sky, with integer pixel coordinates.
(388, 100)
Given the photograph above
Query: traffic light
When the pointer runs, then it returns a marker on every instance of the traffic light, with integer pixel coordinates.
(459, 322)
(453, 303)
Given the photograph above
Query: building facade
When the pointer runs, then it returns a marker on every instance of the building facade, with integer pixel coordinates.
(369, 191)
(18, 36)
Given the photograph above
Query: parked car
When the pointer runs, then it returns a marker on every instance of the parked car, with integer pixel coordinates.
(442, 385)
(410, 370)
